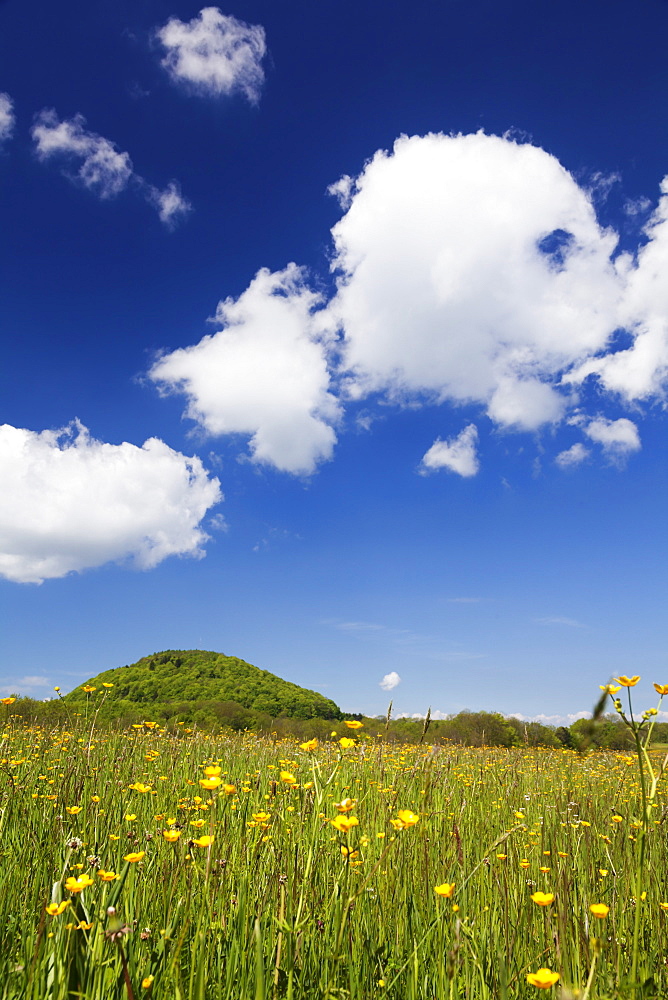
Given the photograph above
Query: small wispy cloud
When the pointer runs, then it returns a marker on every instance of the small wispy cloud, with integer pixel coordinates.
(343, 190)
(430, 647)
(25, 684)
(367, 627)
(102, 168)
(215, 54)
(7, 119)
(559, 620)
(390, 681)
(572, 456)
(371, 629)
(637, 206)
(169, 203)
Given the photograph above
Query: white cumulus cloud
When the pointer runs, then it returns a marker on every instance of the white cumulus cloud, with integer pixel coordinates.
(103, 169)
(640, 371)
(215, 54)
(264, 374)
(457, 454)
(551, 720)
(471, 268)
(390, 681)
(7, 119)
(617, 437)
(69, 503)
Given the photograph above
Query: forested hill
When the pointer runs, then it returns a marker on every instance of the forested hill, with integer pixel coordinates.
(195, 675)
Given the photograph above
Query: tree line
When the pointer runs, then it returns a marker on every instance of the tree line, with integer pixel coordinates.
(466, 728)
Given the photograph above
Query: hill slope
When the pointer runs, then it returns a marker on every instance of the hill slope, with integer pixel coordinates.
(195, 675)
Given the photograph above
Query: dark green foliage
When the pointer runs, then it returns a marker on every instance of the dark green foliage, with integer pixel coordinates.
(607, 733)
(565, 737)
(156, 684)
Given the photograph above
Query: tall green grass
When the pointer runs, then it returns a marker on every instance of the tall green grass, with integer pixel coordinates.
(292, 908)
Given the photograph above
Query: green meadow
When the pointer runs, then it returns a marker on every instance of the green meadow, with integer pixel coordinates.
(185, 865)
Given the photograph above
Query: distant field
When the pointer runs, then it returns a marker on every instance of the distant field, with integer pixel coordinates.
(242, 888)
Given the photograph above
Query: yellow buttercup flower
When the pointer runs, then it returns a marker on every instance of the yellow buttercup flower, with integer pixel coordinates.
(261, 817)
(107, 876)
(348, 852)
(345, 743)
(210, 783)
(171, 836)
(229, 789)
(344, 824)
(7, 701)
(407, 818)
(599, 910)
(543, 978)
(309, 745)
(609, 688)
(134, 856)
(139, 787)
(543, 898)
(212, 771)
(73, 810)
(353, 723)
(106, 685)
(628, 682)
(288, 778)
(55, 909)
(78, 884)
(205, 841)
(446, 889)
(661, 688)
(147, 982)
(88, 688)
(197, 823)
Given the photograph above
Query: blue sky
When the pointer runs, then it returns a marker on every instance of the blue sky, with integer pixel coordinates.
(336, 338)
